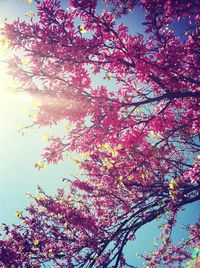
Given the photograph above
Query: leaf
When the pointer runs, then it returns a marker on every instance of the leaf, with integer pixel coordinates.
(18, 214)
(39, 165)
(82, 29)
(106, 146)
(173, 184)
(30, 14)
(109, 75)
(152, 134)
(36, 242)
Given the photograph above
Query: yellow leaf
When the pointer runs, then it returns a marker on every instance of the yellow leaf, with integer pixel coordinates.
(121, 184)
(105, 146)
(138, 110)
(114, 153)
(152, 134)
(82, 29)
(60, 216)
(120, 178)
(18, 214)
(106, 160)
(109, 75)
(28, 194)
(30, 14)
(173, 184)
(40, 164)
(36, 242)
(38, 197)
(109, 165)
(172, 195)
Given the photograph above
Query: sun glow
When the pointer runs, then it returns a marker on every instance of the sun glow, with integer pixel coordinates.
(11, 102)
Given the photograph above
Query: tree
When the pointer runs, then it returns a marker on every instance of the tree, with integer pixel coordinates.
(138, 130)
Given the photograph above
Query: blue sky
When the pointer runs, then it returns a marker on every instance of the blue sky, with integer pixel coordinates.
(19, 153)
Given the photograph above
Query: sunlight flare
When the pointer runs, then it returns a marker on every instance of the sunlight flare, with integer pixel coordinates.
(11, 101)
